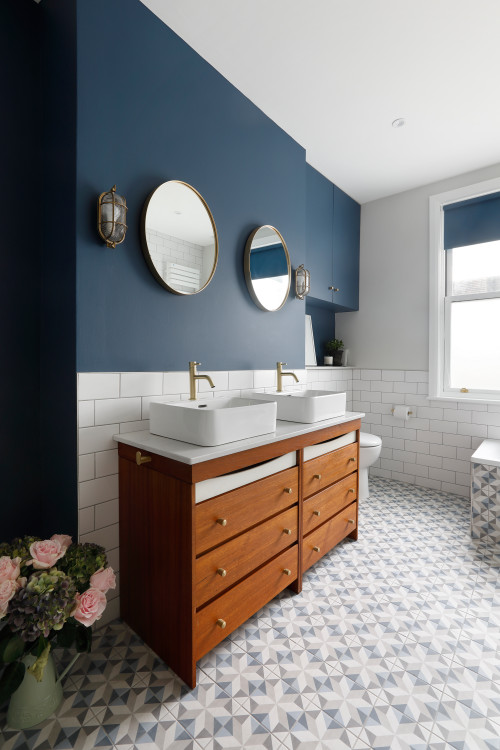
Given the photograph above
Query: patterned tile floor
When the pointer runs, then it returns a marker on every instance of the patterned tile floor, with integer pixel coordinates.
(393, 643)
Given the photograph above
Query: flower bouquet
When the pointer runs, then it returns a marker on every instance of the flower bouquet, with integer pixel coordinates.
(51, 591)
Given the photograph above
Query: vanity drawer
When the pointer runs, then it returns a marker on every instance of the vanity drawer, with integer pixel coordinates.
(218, 569)
(224, 516)
(239, 603)
(325, 537)
(323, 505)
(324, 470)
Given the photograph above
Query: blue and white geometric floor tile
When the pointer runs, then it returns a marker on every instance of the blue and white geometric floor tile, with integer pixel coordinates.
(394, 643)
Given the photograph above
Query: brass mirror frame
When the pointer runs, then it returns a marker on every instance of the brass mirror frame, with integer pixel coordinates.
(246, 265)
(144, 243)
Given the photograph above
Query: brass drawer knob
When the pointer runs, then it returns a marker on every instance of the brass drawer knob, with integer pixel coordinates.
(316, 549)
(222, 521)
(288, 490)
(287, 531)
(350, 489)
(140, 459)
(350, 520)
(221, 623)
(316, 512)
(221, 572)
(317, 476)
(287, 571)
(351, 459)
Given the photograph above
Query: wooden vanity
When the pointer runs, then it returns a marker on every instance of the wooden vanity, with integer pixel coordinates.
(208, 537)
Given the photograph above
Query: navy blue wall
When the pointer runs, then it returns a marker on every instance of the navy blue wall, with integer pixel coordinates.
(20, 508)
(149, 110)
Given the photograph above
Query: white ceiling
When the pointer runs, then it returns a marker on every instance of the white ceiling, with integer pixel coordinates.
(334, 74)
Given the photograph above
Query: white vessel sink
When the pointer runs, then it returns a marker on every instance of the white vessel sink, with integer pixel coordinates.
(214, 421)
(307, 406)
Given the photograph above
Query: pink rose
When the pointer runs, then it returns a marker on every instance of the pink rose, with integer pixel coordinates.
(9, 568)
(45, 554)
(89, 606)
(63, 539)
(7, 590)
(103, 579)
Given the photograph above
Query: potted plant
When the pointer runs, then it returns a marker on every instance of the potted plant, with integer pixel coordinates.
(51, 592)
(334, 349)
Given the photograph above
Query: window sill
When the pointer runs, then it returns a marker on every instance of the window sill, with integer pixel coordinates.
(460, 398)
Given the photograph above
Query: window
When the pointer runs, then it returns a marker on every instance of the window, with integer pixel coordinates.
(464, 335)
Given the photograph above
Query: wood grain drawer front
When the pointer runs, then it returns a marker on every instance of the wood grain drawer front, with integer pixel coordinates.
(324, 470)
(323, 505)
(321, 541)
(224, 516)
(220, 568)
(219, 618)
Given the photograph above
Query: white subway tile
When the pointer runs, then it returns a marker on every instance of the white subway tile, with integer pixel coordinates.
(391, 465)
(464, 454)
(377, 472)
(113, 556)
(399, 476)
(265, 378)
(106, 463)
(461, 441)
(478, 430)
(463, 478)
(106, 514)
(434, 461)
(428, 412)
(394, 375)
(395, 443)
(371, 396)
(417, 376)
(430, 437)
(92, 439)
(394, 399)
(107, 538)
(423, 388)
(175, 382)
(361, 406)
(454, 489)
(85, 414)
(405, 456)
(457, 415)
(97, 491)
(439, 425)
(220, 379)
(453, 464)
(110, 411)
(487, 418)
(92, 385)
(442, 475)
(495, 408)
(433, 484)
(85, 520)
(405, 387)
(240, 379)
(416, 446)
(379, 408)
(381, 430)
(141, 384)
(370, 375)
(494, 433)
(404, 432)
(111, 612)
(444, 450)
(416, 423)
(86, 467)
(416, 470)
(143, 424)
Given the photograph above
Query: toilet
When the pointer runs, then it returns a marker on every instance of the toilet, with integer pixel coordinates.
(369, 450)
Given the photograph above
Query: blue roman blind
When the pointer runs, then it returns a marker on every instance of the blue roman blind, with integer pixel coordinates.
(269, 261)
(472, 221)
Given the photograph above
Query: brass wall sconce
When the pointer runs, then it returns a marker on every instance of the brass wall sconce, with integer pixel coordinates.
(302, 282)
(111, 217)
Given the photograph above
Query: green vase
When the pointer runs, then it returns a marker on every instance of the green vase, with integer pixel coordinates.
(34, 701)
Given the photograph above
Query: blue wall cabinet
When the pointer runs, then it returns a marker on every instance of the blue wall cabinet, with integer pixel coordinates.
(346, 225)
(332, 234)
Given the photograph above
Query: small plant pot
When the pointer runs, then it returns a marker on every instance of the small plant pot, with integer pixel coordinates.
(328, 360)
(337, 357)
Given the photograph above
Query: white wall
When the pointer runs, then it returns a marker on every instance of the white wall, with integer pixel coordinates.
(390, 330)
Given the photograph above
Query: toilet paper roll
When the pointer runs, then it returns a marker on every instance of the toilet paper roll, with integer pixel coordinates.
(401, 412)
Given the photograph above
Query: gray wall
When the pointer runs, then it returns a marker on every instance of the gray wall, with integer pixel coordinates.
(391, 328)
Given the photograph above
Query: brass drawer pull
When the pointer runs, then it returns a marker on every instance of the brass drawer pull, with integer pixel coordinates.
(287, 571)
(316, 512)
(350, 520)
(221, 623)
(222, 521)
(350, 489)
(221, 572)
(140, 459)
(287, 531)
(317, 476)
(288, 490)
(316, 549)
(351, 459)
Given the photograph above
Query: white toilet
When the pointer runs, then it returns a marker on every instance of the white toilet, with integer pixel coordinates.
(369, 450)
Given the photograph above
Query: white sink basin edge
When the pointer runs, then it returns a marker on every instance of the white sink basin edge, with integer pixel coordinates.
(213, 421)
(306, 406)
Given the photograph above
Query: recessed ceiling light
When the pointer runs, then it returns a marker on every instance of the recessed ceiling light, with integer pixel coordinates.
(399, 122)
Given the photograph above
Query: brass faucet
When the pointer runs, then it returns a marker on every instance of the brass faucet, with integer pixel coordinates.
(193, 377)
(282, 374)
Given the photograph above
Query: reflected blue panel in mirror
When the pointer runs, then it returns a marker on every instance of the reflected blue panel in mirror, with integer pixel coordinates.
(267, 262)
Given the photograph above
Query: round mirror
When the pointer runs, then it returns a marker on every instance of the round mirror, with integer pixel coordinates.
(267, 268)
(179, 238)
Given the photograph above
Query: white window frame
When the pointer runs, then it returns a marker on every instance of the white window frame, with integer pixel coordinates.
(439, 304)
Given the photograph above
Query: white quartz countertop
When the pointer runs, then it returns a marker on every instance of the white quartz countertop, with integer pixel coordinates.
(187, 453)
(487, 453)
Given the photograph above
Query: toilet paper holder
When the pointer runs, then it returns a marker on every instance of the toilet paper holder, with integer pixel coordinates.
(409, 413)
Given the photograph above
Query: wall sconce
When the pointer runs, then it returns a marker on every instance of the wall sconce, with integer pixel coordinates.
(302, 282)
(111, 217)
